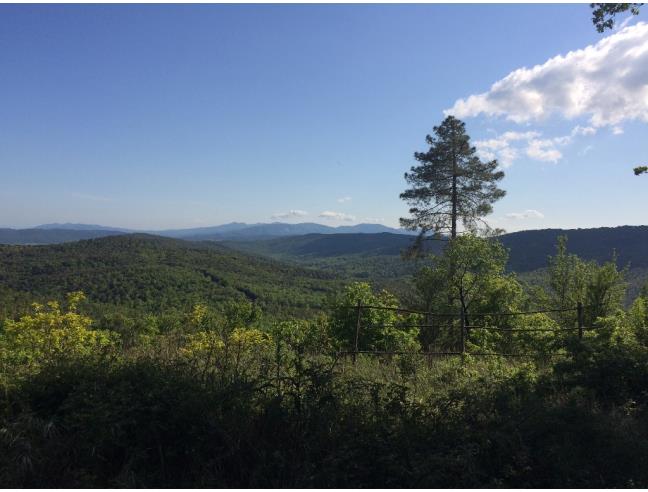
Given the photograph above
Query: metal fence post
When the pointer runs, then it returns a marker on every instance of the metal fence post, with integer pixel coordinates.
(357, 333)
(580, 320)
(463, 330)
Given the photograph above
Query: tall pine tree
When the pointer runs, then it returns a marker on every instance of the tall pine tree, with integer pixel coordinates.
(450, 184)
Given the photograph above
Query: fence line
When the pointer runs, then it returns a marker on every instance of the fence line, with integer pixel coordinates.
(456, 315)
(443, 354)
(492, 328)
(464, 328)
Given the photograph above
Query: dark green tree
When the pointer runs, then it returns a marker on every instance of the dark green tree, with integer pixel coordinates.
(640, 170)
(603, 13)
(451, 183)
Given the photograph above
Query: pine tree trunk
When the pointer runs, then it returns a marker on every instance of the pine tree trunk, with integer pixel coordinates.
(453, 231)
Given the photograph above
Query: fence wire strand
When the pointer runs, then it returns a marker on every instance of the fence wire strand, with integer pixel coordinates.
(465, 329)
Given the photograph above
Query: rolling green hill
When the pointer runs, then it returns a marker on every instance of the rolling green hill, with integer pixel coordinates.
(283, 275)
(377, 257)
(374, 258)
(528, 249)
(328, 245)
(153, 274)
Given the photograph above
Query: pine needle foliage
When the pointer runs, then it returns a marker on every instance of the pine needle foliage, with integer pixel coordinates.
(451, 184)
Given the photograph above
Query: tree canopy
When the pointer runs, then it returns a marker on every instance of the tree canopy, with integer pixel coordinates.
(603, 14)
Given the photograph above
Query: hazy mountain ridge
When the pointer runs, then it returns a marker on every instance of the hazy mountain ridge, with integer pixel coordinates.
(58, 233)
(78, 227)
(239, 230)
(51, 236)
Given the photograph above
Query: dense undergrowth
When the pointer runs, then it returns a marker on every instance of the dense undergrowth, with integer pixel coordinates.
(229, 403)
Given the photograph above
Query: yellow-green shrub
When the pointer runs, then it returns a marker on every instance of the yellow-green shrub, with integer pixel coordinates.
(49, 334)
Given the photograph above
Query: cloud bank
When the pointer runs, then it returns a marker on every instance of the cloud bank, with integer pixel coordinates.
(527, 214)
(606, 82)
(290, 214)
(340, 216)
(508, 146)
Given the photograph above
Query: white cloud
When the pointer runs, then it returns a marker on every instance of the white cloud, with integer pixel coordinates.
(527, 214)
(373, 220)
(508, 146)
(583, 130)
(617, 130)
(501, 147)
(543, 150)
(289, 214)
(341, 216)
(606, 82)
(344, 199)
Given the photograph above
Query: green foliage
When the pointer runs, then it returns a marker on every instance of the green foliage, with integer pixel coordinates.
(228, 401)
(379, 329)
(454, 424)
(603, 14)
(470, 276)
(601, 288)
(47, 336)
(132, 274)
(460, 275)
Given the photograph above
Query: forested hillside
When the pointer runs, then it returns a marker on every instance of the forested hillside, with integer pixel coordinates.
(378, 257)
(370, 257)
(149, 273)
(328, 245)
(528, 249)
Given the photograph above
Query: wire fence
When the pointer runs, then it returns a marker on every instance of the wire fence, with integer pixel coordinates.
(464, 328)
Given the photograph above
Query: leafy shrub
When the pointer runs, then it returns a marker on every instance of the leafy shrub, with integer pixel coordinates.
(48, 335)
(379, 329)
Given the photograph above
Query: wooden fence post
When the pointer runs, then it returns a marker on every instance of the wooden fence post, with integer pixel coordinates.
(463, 330)
(357, 333)
(580, 320)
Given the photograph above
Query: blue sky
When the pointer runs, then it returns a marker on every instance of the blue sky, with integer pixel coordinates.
(183, 116)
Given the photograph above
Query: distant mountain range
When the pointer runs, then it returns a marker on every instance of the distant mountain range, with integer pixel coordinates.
(58, 233)
(239, 230)
(79, 227)
(52, 236)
